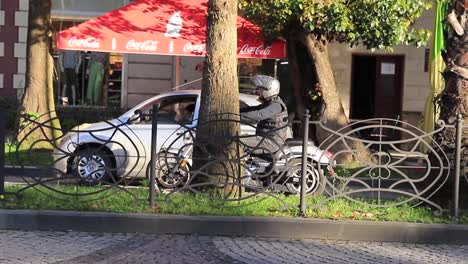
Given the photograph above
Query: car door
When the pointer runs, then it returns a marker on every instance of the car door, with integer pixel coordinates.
(176, 113)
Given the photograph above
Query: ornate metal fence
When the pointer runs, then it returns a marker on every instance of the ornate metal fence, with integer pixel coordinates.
(394, 163)
(39, 156)
(396, 170)
(402, 165)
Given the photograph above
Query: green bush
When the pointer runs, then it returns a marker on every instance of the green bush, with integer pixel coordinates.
(11, 105)
(72, 116)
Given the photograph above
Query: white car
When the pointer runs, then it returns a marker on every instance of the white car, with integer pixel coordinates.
(122, 147)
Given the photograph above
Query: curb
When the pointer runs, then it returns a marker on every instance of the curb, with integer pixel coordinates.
(265, 227)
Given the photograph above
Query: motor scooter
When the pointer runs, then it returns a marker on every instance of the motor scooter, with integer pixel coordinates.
(280, 171)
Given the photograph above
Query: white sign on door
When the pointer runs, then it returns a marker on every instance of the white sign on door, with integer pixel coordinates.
(387, 68)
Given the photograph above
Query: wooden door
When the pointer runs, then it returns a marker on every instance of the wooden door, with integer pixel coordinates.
(388, 87)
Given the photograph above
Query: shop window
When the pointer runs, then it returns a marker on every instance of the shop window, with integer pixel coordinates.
(88, 78)
(247, 68)
(114, 80)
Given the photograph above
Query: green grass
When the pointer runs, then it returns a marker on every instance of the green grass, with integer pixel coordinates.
(345, 209)
(135, 201)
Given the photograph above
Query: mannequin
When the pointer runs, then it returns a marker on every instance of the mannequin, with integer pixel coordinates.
(96, 65)
(70, 65)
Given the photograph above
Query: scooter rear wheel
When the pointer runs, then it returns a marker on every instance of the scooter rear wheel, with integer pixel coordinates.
(170, 173)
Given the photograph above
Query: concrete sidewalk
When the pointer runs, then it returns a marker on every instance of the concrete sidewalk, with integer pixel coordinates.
(58, 247)
(266, 227)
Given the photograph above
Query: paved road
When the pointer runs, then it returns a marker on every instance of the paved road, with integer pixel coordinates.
(77, 247)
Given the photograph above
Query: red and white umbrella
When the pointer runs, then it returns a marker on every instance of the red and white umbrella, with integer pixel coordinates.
(163, 27)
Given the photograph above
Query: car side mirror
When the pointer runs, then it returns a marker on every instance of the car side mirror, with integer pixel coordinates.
(136, 117)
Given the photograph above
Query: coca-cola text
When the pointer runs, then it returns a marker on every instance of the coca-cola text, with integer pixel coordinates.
(149, 45)
(75, 42)
(194, 48)
(253, 50)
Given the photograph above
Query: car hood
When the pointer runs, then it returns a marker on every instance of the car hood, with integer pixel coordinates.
(103, 125)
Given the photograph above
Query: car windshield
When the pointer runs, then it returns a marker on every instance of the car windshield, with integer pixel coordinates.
(245, 100)
(173, 109)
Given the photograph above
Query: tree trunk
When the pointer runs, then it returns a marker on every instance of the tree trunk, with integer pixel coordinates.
(38, 99)
(454, 98)
(220, 102)
(296, 75)
(334, 113)
(303, 79)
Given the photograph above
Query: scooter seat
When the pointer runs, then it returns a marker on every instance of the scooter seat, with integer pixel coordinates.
(280, 152)
(267, 157)
(296, 142)
(270, 156)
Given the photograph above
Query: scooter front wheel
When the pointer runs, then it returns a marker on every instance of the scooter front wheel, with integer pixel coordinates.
(315, 184)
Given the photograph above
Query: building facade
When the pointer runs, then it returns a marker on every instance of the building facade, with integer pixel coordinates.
(391, 84)
(13, 34)
(371, 84)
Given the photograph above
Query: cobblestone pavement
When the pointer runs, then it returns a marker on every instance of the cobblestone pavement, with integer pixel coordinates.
(77, 247)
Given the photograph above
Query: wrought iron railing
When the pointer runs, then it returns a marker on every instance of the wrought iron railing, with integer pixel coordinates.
(395, 163)
(58, 165)
(396, 170)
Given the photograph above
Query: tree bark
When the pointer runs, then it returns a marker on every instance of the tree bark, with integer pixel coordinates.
(38, 98)
(454, 98)
(220, 102)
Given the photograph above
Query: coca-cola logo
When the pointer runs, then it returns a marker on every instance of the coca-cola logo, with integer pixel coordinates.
(253, 50)
(149, 45)
(91, 42)
(197, 48)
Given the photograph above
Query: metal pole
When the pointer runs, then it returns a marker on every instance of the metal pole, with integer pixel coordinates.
(239, 168)
(458, 146)
(83, 73)
(154, 135)
(276, 69)
(305, 140)
(2, 151)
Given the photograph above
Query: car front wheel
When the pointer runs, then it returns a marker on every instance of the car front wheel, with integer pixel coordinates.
(92, 166)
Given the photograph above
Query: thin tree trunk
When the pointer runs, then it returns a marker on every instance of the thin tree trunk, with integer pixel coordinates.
(38, 99)
(334, 113)
(220, 96)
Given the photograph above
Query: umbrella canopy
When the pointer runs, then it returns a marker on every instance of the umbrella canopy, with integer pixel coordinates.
(163, 27)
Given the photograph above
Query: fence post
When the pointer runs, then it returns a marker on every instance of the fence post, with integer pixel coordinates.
(2, 151)
(458, 147)
(305, 141)
(154, 135)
